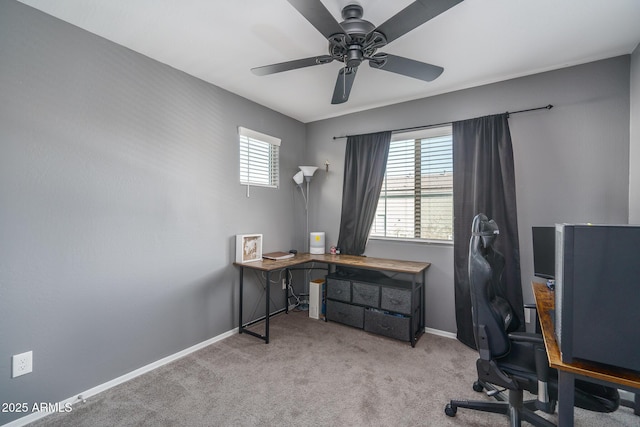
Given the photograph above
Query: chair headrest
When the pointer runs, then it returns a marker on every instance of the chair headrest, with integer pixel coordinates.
(485, 228)
(486, 233)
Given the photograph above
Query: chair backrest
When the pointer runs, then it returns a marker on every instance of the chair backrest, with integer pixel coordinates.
(491, 313)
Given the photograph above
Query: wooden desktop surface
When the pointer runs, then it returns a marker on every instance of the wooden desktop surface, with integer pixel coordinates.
(371, 263)
(545, 302)
(272, 264)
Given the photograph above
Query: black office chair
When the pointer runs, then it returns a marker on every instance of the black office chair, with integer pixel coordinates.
(515, 361)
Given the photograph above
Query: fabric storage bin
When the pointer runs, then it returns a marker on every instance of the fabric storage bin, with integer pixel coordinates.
(351, 315)
(394, 299)
(389, 325)
(339, 289)
(365, 294)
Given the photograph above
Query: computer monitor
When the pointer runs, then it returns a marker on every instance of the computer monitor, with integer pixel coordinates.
(544, 252)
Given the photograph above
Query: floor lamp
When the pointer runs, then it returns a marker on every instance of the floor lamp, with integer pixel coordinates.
(304, 175)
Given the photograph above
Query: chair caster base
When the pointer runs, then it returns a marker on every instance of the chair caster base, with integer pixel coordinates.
(450, 410)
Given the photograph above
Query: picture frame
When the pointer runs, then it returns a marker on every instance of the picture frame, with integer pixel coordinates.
(248, 247)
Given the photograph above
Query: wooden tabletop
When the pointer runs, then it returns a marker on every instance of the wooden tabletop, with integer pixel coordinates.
(271, 265)
(545, 302)
(397, 266)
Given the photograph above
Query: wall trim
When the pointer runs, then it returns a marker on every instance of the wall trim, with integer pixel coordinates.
(81, 397)
(440, 333)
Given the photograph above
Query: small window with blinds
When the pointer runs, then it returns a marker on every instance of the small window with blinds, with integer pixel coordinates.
(259, 158)
(416, 200)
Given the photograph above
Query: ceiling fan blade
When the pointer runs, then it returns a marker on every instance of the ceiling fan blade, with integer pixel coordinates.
(343, 85)
(318, 15)
(414, 15)
(406, 67)
(291, 65)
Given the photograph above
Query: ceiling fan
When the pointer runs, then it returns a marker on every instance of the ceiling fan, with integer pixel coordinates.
(355, 40)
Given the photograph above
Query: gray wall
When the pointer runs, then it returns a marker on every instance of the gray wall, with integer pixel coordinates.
(119, 196)
(119, 202)
(572, 162)
(634, 146)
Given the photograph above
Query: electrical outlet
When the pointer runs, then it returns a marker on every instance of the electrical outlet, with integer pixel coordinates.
(22, 364)
(284, 283)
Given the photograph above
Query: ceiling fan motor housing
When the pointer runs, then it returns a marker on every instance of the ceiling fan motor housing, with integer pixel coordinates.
(357, 42)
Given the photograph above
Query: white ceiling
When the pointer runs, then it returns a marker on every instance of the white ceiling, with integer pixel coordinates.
(477, 42)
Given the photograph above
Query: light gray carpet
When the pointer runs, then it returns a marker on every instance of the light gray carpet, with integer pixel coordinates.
(312, 373)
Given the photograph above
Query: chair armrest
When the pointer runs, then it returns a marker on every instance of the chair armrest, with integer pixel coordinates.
(526, 337)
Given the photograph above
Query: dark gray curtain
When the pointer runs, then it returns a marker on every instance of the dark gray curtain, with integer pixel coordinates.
(484, 182)
(364, 167)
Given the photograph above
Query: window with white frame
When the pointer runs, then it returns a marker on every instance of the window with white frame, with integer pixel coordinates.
(259, 158)
(416, 200)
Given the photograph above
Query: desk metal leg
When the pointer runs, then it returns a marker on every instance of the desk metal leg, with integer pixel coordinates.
(412, 331)
(423, 320)
(286, 294)
(240, 309)
(566, 397)
(415, 334)
(243, 326)
(267, 312)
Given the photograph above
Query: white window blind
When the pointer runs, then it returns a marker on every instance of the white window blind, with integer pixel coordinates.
(259, 158)
(416, 200)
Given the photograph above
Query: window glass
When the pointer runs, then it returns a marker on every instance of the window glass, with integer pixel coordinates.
(259, 158)
(416, 200)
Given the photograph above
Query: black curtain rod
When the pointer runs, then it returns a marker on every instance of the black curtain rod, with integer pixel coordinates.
(508, 113)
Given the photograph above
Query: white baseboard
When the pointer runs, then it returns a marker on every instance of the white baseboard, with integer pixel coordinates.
(627, 395)
(122, 379)
(440, 333)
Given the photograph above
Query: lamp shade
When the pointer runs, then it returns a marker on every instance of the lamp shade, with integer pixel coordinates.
(298, 178)
(308, 170)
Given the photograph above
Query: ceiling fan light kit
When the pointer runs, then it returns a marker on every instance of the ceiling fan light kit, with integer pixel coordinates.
(355, 40)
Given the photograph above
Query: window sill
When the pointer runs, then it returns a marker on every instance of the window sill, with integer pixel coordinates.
(414, 241)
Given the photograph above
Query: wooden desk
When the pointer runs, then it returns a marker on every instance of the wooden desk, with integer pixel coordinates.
(268, 266)
(568, 372)
(370, 263)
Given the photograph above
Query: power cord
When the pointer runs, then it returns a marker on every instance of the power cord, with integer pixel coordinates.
(297, 301)
(296, 298)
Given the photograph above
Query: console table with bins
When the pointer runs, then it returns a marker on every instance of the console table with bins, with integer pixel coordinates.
(382, 305)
